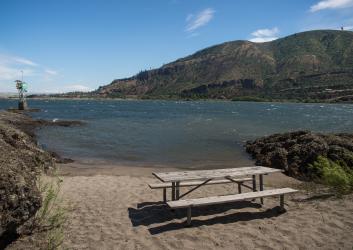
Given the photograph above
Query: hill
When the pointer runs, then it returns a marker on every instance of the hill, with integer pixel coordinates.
(307, 66)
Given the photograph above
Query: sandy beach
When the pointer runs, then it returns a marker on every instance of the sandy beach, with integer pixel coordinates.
(111, 207)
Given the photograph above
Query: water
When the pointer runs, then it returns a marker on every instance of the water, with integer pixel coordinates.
(196, 134)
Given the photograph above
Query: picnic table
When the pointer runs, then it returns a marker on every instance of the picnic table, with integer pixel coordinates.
(206, 176)
(199, 178)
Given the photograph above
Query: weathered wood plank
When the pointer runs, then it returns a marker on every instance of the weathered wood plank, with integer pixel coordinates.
(213, 174)
(195, 183)
(228, 198)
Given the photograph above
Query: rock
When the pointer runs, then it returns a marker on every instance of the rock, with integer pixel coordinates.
(21, 162)
(278, 158)
(293, 151)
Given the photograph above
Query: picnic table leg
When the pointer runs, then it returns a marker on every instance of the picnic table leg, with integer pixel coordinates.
(164, 195)
(173, 191)
(177, 190)
(261, 177)
(254, 183)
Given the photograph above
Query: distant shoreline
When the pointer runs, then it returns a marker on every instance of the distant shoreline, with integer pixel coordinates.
(162, 98)
(182, 99)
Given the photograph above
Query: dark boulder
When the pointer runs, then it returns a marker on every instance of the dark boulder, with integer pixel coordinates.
(294, 151)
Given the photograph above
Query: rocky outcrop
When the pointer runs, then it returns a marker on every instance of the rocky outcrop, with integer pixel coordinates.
(294, 151)
(21, 161)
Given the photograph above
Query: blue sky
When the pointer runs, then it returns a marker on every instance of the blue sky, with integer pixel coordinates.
(67, 45)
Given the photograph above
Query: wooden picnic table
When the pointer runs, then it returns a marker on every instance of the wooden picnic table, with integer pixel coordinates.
(207, 175)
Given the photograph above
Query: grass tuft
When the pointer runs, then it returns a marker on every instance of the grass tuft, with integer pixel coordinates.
(51, 217)
(333, 174)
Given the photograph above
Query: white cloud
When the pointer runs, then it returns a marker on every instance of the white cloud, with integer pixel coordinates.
(51, 72)
(196, 21)
(265, 32)
(264, 35)
(24, 61)
(262, 39)
(78, 87)
(348, 28)
(7, 59)
(11, 67)
(331, 4)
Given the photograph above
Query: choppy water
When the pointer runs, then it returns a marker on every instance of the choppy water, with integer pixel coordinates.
(185, 134)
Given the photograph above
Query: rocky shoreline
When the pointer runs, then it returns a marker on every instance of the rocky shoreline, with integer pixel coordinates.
(295, 152)
(21, 162)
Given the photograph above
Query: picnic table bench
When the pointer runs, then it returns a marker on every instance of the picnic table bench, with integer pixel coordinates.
(199, 178)
(189, 203)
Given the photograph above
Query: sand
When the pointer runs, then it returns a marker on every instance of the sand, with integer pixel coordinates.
(112, 207)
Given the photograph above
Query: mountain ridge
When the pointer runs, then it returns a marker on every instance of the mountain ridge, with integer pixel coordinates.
(307, 66)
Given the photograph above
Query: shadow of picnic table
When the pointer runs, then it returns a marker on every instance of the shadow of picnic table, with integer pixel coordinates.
(150, 213)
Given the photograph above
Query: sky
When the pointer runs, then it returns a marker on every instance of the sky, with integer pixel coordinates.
(79, 45)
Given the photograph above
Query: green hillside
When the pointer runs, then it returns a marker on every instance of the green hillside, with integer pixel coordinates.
(313, 65)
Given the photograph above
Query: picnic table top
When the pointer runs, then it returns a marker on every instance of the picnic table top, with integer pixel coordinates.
(213, 174)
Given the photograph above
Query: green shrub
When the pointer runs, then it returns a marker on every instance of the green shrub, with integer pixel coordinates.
(330, 173)
(50, 218)
(51, 214)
